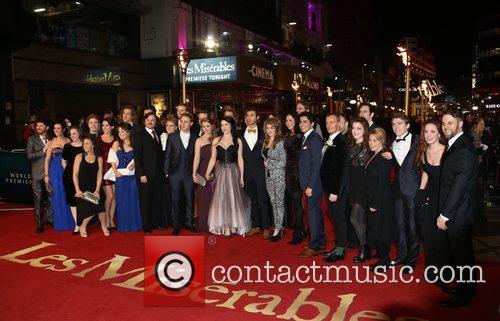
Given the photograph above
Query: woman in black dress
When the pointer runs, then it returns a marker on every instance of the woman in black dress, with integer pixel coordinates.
(293, 193)
(359, 155)
(69, 153)
(87, 177)
(380, 203)
(430, 152)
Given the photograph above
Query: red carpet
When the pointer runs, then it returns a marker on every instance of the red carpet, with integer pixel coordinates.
(31, 292)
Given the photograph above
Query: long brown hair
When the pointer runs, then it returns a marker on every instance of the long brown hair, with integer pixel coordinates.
(214, 131)
(422, 143)
(366, 133)
(278, 136)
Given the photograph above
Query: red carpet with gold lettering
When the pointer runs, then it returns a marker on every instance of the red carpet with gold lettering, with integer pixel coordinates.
(57, 276)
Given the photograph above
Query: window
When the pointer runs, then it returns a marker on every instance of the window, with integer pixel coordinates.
(314, 17)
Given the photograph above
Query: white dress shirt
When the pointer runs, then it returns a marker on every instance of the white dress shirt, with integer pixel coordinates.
(402, 147)
(251, 138)
(151, 132)
(307, 134)
(328, 143)
(185, 139)
(450, 142)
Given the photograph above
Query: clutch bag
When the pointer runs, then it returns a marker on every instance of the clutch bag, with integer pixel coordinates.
(90, 197)
(202, 181)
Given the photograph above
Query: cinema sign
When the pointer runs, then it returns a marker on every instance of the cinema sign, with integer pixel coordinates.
(219, 69)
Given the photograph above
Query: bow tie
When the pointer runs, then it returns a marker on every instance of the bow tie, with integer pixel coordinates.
(252, 131)
(402, 139)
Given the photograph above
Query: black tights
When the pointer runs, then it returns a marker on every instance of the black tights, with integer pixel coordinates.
(358, 220)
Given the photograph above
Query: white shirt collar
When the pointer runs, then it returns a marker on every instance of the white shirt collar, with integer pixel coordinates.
(332, 136)
(370, 123)
(184, 133)
(402, 136)
(150, 130)
(454, 138)
(307, 133)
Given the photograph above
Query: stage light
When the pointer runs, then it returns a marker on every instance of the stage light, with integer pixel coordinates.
(38, 10)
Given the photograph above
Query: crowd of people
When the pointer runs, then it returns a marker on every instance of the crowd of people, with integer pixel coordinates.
(214, 176)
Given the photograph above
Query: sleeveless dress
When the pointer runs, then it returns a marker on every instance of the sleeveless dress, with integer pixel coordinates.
(60, 209)
(105, 147)
(87, 181)
(69, 153)
(230, 207)
(435, 241)
(128, 210)
(204, 193)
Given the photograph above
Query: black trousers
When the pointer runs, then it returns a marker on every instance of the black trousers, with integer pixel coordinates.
(351, 233)
(150, 196)
(182, 192)
(406, 233)
(380, 223)
(42, 203)
(337, 211)
(255, 188)
(462, 253)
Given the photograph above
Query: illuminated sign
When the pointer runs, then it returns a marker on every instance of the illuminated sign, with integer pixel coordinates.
(217, 69)
(103, 77)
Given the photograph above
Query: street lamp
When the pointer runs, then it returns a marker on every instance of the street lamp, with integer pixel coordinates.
(183, 62)
(295, 87)
(405, 57)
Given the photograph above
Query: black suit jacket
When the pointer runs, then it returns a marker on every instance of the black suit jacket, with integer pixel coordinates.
(173, 152)
(335, 167)
(378, 185)
(407, 178)
(459, 173)
(254, 160)
(147, 155)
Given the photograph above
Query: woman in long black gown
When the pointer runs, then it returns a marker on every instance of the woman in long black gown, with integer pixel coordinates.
(430, 152)
(87, 177)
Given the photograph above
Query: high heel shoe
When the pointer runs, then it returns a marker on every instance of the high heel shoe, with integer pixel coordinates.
(298, 237)
(83, 234)
(277, 237)
(105, 231)
(364, 254)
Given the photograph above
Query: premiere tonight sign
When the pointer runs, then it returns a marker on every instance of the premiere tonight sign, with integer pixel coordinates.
(217, 69)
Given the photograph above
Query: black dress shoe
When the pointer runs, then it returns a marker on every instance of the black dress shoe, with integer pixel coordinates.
(397, 261)
(334, 257)
(176, 231)
(147, 232)
(455, 302)
(39, 230)
(161, 228)
(277, 237)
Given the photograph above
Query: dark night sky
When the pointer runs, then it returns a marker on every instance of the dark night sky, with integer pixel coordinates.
(448, 29)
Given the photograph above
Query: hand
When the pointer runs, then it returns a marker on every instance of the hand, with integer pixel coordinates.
(144, 179)
(266, 163)
(131, 167)
(46, 179)
(441, 223)
(387, 155)
(96, 194)
(78, 193)
(242, 183)
(333, 198)
(373, 210)
(195, 179)
(309, 192)
(118, 174)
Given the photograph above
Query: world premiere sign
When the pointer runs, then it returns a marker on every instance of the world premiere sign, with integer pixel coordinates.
(207, 70)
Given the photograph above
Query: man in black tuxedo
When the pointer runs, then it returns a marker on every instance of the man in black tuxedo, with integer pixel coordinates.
(35, 149)
(149, 173)
(254, 174)
(365, 111)
(310, 182)
(404, 149)
(178, 167)
(457, 203)
(335, 181)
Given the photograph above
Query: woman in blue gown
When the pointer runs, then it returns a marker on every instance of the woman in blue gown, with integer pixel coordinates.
(128, 210)
(61, 212)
